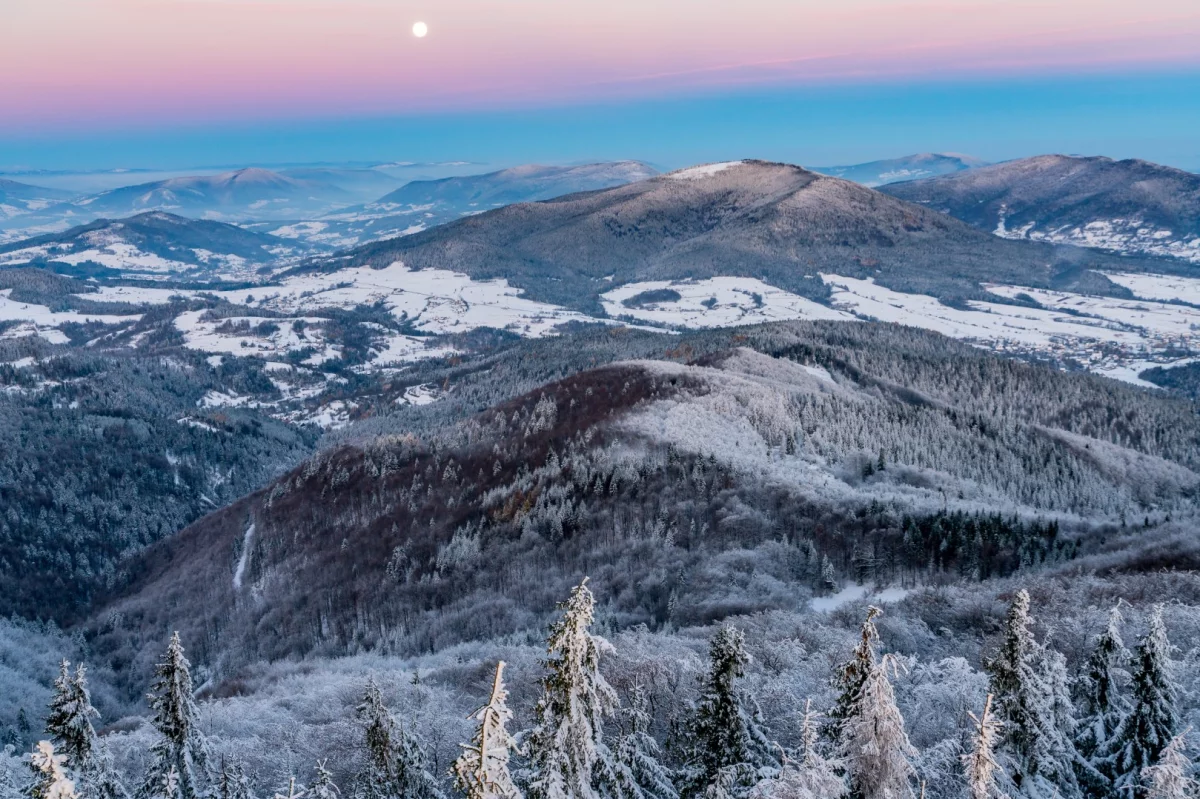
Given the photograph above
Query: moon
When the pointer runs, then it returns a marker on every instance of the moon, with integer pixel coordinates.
(420, 30)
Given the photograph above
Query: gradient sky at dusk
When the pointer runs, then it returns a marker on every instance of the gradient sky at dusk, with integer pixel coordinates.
(99, 83)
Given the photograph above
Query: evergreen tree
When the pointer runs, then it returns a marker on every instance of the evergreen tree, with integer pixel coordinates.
(51, 780)
(566, 746)
(293, 791)
(1171, 777)
(69, 723)
(414, 780)
(481, 771)
(396, 764)
(726, 731)
(811, 776)
(852, 674)
(1102, 705)
(323, 786)
(232, 782)
(1029, 685)
(179, 759)
(875, 747)
(981, 768)
(1150, 725)
(637, 772)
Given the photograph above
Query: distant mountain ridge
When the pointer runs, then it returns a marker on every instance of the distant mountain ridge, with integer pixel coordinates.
(776, 222)
(910, 167)
(20, 198)
(1130, 207)
(155, 242)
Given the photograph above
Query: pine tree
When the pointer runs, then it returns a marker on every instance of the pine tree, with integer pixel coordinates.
(323, 786)
(179, 759)
(481, 771)
(638, 774)
(875, 747)
(811, 776)
(1150, 725)
(1029, 685)
(1171, 777)
(69, 723)
(51, 780)
(1101, 702)
(413, 780)
(852, 674)
(396, 764)
(726, 731)
(232, 782)
(981, 767)
(566, 745)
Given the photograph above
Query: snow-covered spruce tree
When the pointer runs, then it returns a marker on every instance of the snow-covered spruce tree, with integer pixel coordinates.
(292, 791)
(69, 725)
(323, 787)
(566, 745)
(811, 776)
(726, 728)
(1101, 703)
(980, 766)
(850, 676)
(375, 780)
(51, 780)
(1150, 725)
(1028, 683)
(179, 759)
(875, 749)
(637, 772)
(1171, 777)
(232, 782)
(413, 780)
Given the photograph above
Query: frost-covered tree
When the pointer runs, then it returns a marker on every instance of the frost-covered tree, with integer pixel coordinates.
(980, 765)
(1171, 777)
(1150, 726)
(637, 772)
(179, 758)
(292, 791)
(481, 771)
(567, 743)
(323, 787)
(850, 676)
(1030, 688)
(726, 729)
(69, 725)
(396, 765)
(231, 782)
(69, 722)
(875, 748)
(51, 779)
(1102, 704)
(810, 776)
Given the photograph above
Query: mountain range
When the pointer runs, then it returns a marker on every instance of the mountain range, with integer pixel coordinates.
(1130, 207)
(779, 223)
(895, 170)
(21, 198)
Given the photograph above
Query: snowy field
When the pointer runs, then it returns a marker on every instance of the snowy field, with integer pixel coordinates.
(715, 302)
(1119, 235)
(1159, 287)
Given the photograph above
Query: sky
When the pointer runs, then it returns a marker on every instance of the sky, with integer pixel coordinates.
(177, 83)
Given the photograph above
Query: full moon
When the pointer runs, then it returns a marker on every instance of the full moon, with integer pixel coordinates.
(420, 29)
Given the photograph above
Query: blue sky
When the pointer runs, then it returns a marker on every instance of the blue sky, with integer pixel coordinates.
(1149, 115)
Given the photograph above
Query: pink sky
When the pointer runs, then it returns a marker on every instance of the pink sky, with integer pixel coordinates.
(116, 62)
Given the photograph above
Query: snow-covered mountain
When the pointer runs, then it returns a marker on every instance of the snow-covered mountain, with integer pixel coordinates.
(1130, 207)
(155, 244)
(17, 199)
(895, 170)
(243, 194)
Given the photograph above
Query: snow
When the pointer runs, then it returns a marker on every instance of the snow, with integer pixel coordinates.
(244, 558)
(1159, 287)
(207, 336)
(420, 395)
(858, 593)
(1124, 235)
(1157, 318)
(703, 171)
(738, 301)
(39, 317)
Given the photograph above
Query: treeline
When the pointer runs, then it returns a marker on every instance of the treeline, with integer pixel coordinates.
(1110, 731)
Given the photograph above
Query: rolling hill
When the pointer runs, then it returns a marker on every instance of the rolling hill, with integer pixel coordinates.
(1130, 207)
(895, 170)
